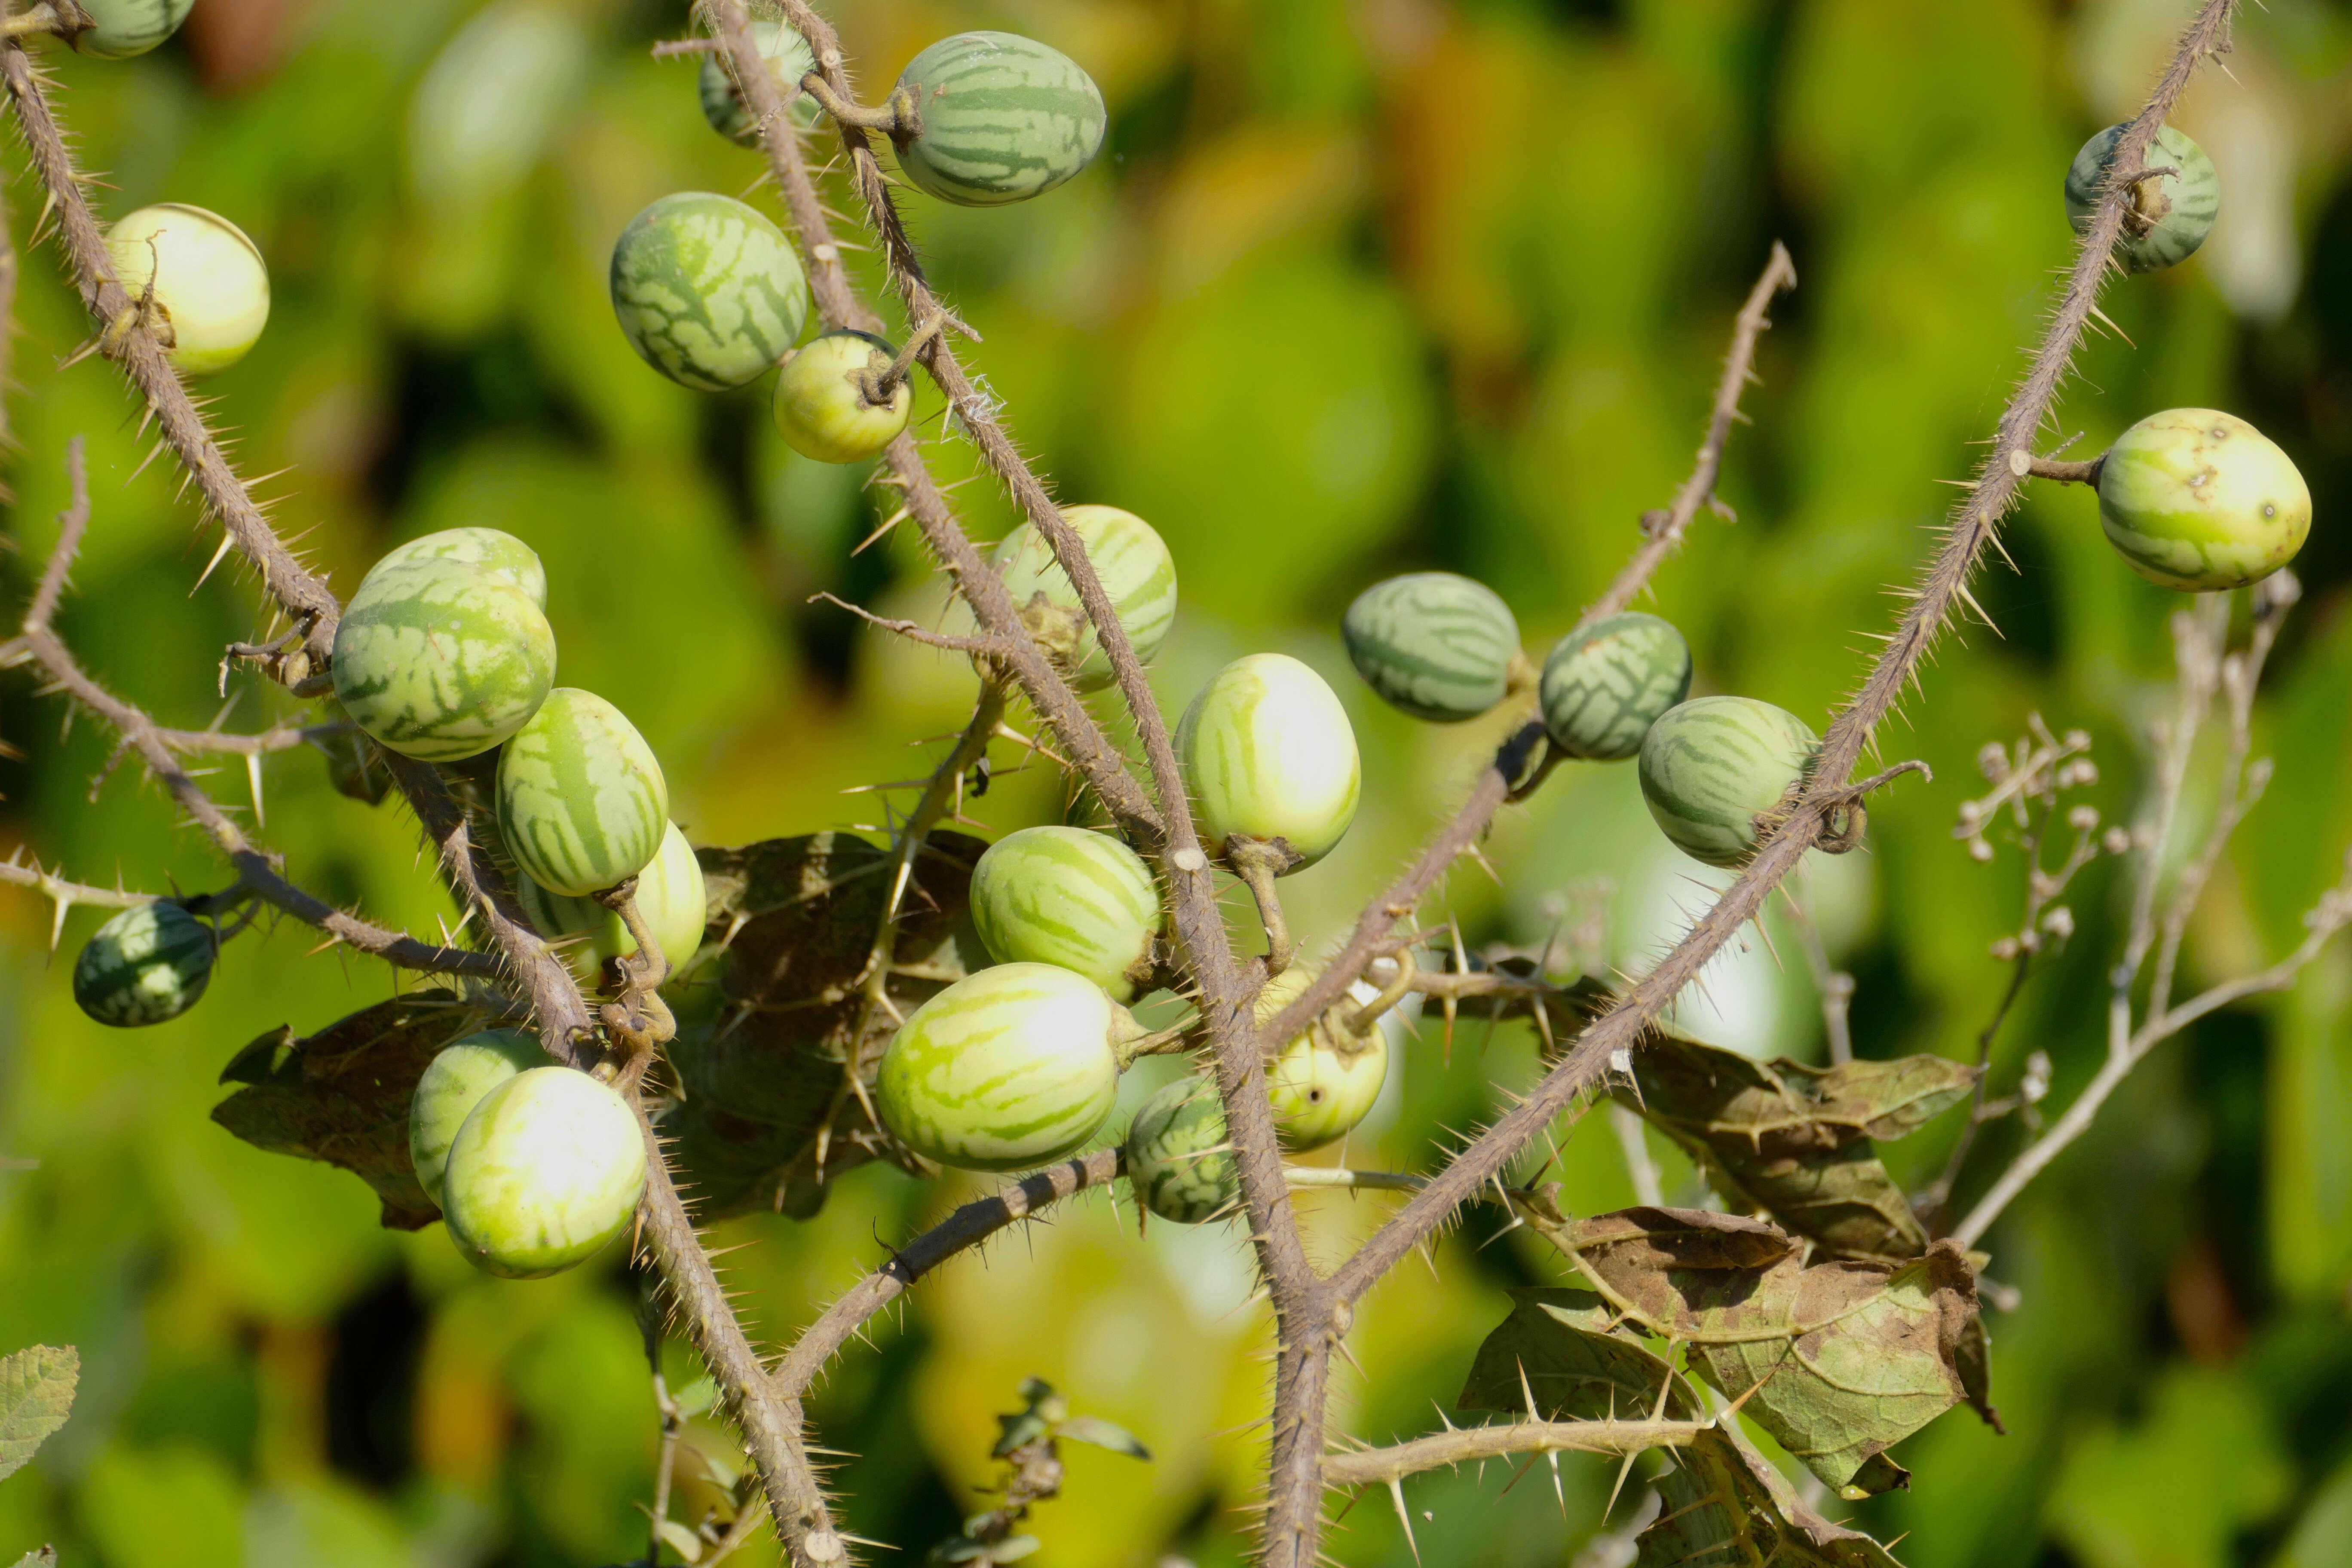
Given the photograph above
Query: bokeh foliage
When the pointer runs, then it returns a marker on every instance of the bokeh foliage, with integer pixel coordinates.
(1360, 285)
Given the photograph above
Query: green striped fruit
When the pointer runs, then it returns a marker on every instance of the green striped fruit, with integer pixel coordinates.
(1270, 756)
(440, 659)
(788, 60)
(1177, 1157)
(991, 118)
(1004, 1069)
(117, 29)
(1328, 1077)
(2166, 218)
(1136, 571)
(207, 287)
(2200, 500)
(144, 967)
(543, 1174)
(1711, 766)
(670, 896)
(582, 801)
(1605, 686)
(822, 407)
(455, 1081)
(1435, 644)
(1065, 896)
(708, 291)
(502, 555)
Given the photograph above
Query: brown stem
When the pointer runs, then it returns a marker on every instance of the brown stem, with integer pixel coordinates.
(1258, 864)
(847, 110)
(2024, 465)
(1463, 1445)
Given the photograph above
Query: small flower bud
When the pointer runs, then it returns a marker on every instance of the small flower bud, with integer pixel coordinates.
(2059, 922)
(2035, 1086)
(1971, 812)
(2115, 841)
(2076, 739)
(1980, 851)
(1992, 761)
(2005, 948)
(2030, 941)
(2083, 819)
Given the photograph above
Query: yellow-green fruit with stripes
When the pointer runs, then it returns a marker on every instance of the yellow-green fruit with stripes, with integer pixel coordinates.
(1004, 1069)
(1711, 766)
(670, 896)
(118, 29)
(1132, 562)
(455, 1081)
(1328, 1077)
(1270, 756)
(1178, 1158)
(708, 291)
(543, 1174)
(2196, 498)
(582, 802)
(498, 553)
(993, 117)
(440, 659)
(1069, 897)
(823, 408)
(203, 281)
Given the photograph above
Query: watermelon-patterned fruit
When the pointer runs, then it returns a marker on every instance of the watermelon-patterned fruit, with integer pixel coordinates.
(544, 1172)
(1133, 564)
(1177, 1157)
(1327, 1078)
(1270, 756)
(1438, 645)
(710, 290)
(144, 967)
(670, 896)
(788, 60)
(2200, 500)
(821, 409)
(454, 1083)
(118, 29)
(581, 800)
(1069, 897)
(502, 555)
(1711, 766)
(441, 659)
(2167, 217)
(1004, 1069)
(207, 287)
(1605, 686)
(995, 117)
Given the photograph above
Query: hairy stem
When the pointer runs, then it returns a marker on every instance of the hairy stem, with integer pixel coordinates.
(1463, 1445)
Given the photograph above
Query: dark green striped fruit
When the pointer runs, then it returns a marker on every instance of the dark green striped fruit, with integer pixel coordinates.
(708, 291)
(440, 659)
(1328, 1077)
(995, 117)
(1710, 767)
(2166, 218)
(1135, 568)
(1004, 1069)
(1065, 896)
(543, 1174)
(144, 967)
(670, 896)
(1605, 686)
(822, 406)
(454, 1083)
(117, 29)
(1270, 756)
(1438, 645)
(2200, 500)
(1178, 1158)
(207, 287)
(502, 555)
(788, 60)
(581, 800)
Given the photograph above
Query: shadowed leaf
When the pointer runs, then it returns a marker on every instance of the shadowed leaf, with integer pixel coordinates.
(36, 1394)
(1102, 1433)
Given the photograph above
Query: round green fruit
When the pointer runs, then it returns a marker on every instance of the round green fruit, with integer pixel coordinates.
(145, 966)
(455, 1081)
(1067, 896)
(582, 801)
(205, 285)
(1132, 562)
(1327, 1078)
(1605, 686)
(1177, 1157)
(2200, 500)
(1270, 756)
(1437, 645)
(670, 896)
(1004, 1069)
(545, 1171)
(502, 555)
(2165, 219)
(994, 118)
(117, 29)
(788, 60)
(821, 409)
(708, 291)
(1711, 766)
(441, 659)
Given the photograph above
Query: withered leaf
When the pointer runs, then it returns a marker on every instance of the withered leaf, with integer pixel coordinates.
(1561, 1345)
(342, 1094)
(36, 1394)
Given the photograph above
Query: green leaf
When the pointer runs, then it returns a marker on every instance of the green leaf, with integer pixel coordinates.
(1013, 1548)
(1561, 1346)
(1018, 1432)
(342, 1095)
(36, 1394)
(682, 1540)
(1102, 1433)
(696, 1396)
(46, 1557)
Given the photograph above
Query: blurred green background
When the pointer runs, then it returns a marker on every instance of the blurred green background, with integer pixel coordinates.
(1357, 286)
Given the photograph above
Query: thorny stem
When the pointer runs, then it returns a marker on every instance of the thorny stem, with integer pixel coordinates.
(1465, 1445)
